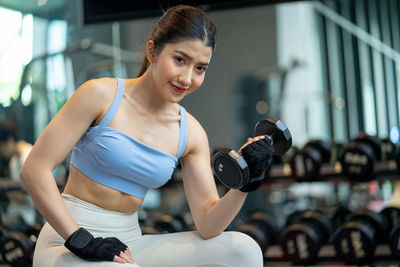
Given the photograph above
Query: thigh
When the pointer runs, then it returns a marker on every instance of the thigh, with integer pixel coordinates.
(189, 249)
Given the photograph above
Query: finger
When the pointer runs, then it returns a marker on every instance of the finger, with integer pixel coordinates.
(258, 137)
(249, 140)
(119, 259)
(126, 257)
(128, 252)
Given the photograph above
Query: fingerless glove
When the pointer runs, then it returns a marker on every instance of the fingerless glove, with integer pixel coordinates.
(258, 156)
(84, 245)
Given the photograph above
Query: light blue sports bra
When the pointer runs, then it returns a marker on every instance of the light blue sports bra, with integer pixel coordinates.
(117, 160)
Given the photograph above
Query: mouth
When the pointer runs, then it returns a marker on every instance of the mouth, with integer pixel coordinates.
(178, 89)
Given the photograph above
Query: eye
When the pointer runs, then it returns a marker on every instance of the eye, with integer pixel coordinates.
(179, 60)
(202, 69)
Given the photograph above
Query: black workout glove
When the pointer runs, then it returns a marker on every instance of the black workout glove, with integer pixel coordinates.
(84, 245)
(258, 156)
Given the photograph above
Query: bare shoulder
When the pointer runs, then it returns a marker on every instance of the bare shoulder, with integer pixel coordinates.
(99, 89)
(197, 136)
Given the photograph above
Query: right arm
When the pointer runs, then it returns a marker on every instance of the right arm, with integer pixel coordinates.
(54, 144)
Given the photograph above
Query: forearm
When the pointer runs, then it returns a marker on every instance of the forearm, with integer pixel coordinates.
(221, 213)
(42, 188)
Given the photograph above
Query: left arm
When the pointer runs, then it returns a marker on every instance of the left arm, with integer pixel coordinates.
(211, 214)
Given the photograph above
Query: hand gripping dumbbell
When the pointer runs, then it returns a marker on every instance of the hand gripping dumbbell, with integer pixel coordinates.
(307, 162)
(262, 228)
(304, 237)
(356, 240)
(232, 169)
(358, 158)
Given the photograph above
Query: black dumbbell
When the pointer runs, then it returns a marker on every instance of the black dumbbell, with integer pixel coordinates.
(307, 162)
(17, 248)
(358, 158)
(231, 168)
(390, 149)
(167, 223)
(302, 240)
(340, 216)
(262, 228)
(392, 215)
(356, 240)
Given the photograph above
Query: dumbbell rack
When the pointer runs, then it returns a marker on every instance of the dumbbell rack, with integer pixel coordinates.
(383, 170)
(327, 256)
(330, 172)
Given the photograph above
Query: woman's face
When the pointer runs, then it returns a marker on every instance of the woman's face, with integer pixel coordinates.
(179, 69)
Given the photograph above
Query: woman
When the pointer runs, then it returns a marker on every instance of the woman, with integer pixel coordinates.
(126, 136)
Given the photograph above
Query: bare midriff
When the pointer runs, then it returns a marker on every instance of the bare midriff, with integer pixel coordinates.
(86, 189)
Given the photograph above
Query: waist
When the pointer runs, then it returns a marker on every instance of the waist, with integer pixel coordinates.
(89, 190)
(102, 222)
(85, 213)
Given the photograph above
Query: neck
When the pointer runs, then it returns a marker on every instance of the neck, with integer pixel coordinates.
(143, 91)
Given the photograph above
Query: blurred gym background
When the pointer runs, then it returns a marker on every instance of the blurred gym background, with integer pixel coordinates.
(329, 69)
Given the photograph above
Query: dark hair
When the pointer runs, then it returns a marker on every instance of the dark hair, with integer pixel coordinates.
(7, 129)
(179, 23)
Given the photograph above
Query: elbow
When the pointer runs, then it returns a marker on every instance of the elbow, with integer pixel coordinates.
(208, 235)
(24, 174)
(27, 171)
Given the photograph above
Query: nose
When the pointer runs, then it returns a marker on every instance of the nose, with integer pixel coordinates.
(185, 77)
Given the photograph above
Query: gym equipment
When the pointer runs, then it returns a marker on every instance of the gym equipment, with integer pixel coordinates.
(307, 162)
(390, 149)
(356, 240)
(302, 240)
(166, 223)
(17, 248)
(358, 158)
(262, 228)
(392, 215)
(339, 216)
(231, 168)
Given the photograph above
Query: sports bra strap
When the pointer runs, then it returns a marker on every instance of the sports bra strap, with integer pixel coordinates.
(115, 105)
(183, 132)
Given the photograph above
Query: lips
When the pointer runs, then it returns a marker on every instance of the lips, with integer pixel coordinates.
(178, 89)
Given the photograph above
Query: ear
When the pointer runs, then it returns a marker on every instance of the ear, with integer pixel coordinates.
(150, 54)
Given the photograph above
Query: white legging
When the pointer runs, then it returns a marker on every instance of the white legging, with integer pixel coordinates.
(184, 249)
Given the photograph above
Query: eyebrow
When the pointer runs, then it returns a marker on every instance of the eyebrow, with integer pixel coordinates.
(189, 57)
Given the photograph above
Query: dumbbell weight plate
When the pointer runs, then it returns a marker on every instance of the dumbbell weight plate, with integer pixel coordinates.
(305, 163)
(323, 147)
(303, 239)
(230, 168)
(373, 141)
(390, 149)
(357, 161)
(392, 217)
(278, 131)
(297, 243)
(256, 233)
(166, 223)
(377, 221)
(355, 243)
(319, 222)
(395, 241)
(17, 250)
(3, 235)
(339, 216)
(266, 223)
